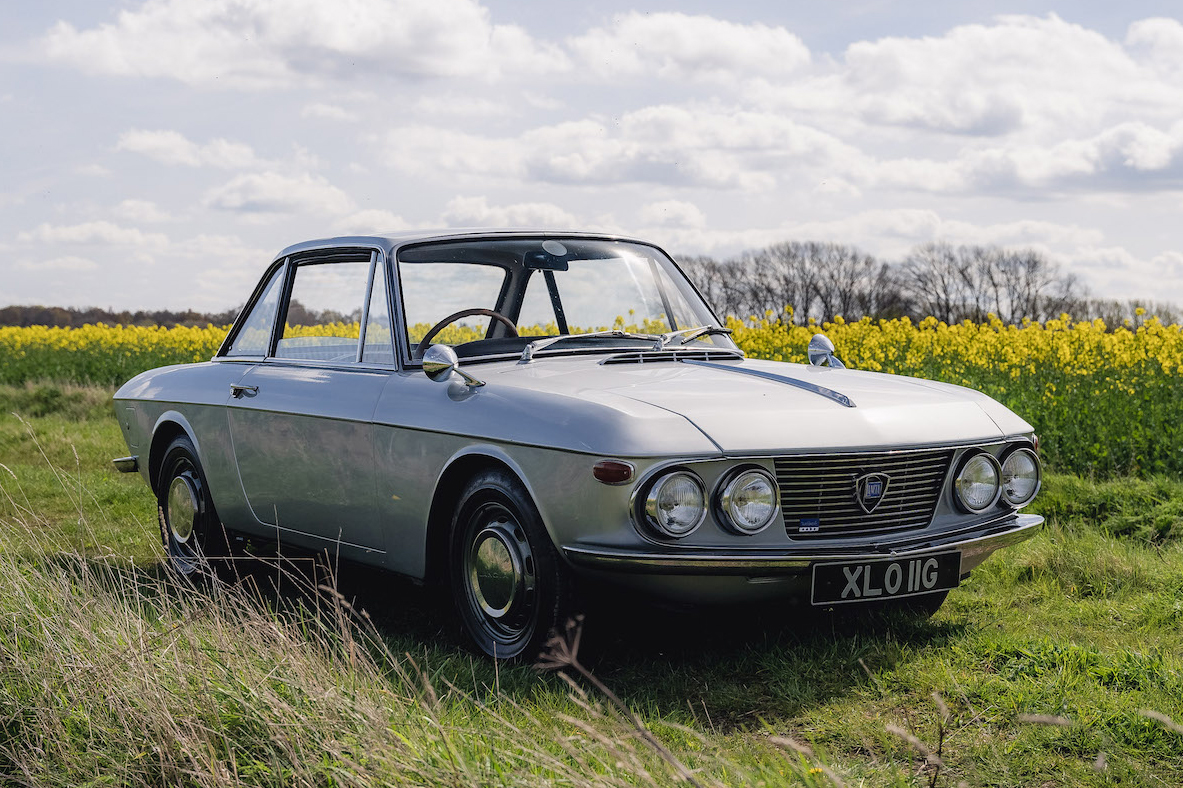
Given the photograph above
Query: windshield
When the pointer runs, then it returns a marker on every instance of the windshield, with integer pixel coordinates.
(544, 287)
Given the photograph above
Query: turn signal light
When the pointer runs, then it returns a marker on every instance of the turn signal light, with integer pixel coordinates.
(612, 471)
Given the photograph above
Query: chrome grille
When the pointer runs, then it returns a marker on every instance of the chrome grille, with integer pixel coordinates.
(822, 488)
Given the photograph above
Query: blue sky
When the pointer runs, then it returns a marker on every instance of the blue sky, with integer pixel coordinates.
(157, 154)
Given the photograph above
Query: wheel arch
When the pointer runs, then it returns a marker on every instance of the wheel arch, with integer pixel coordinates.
(459, 469)
(168, 427)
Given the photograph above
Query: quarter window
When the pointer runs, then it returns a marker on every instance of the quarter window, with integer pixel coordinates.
(254, 338)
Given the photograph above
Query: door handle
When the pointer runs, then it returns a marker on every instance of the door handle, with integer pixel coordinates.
(238, 390)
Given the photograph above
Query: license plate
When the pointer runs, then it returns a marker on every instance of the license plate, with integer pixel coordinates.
(889, 578)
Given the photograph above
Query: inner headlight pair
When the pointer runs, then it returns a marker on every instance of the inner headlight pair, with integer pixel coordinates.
(983, 480)
(677, 502)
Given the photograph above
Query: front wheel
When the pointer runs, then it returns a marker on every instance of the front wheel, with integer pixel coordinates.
(508, 583)
(188, 525)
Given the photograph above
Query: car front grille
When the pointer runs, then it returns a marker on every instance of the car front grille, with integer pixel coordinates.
(818, 493)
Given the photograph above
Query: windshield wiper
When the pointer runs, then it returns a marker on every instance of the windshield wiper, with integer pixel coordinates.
(541, 344)
(691, 334)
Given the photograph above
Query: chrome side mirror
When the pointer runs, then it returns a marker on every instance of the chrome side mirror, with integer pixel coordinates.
(439, 362)
(821, 352)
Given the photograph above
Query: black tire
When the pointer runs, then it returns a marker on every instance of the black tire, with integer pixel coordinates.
(508, 583)
(189, 526)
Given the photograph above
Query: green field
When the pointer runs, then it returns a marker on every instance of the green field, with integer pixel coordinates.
(1050, 664)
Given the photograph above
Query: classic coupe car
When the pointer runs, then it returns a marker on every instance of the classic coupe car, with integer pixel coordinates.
(514, 413)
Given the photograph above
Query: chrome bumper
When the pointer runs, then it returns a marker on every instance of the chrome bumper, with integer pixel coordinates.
(974, 546)
(127, 464)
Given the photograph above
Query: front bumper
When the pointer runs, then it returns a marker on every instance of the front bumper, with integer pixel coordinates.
(975, 546)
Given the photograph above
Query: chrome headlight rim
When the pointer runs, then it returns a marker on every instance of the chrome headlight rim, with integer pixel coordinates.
(1038, 475)
(965, 461)
(725, 490)
(648, 502)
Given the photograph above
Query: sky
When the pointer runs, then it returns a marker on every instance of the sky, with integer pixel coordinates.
(157, 154)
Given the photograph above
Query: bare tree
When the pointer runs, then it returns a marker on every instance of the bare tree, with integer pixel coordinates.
(973, 282)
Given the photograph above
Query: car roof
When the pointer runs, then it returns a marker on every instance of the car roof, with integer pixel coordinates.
(392, 240)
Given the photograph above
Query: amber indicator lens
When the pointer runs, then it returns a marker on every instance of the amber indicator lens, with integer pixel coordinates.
(612, 471)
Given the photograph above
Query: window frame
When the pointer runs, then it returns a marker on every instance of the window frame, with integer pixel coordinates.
(288, 265)
(403, 345)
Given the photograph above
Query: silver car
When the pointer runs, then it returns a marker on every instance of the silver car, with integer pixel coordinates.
(513, 413)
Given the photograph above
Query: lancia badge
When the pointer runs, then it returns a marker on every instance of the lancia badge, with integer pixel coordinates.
(869, 490)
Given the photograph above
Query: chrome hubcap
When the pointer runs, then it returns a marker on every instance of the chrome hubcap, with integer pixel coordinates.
(496, 573)
(182, 509)
(501, 575)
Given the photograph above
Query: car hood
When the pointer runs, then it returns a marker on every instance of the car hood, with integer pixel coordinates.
(765, 406)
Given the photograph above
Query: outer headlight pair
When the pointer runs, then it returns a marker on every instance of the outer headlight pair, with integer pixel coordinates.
(983, 480)
(676, 503)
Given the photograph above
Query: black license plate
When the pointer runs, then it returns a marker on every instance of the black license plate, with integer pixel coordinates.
(888, 578)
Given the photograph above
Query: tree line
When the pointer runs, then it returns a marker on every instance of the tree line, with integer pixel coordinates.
(69, 317)
(951, 283)
(816, 280)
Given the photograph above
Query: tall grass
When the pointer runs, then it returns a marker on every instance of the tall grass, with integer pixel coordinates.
(114, 674)
(1057, 662)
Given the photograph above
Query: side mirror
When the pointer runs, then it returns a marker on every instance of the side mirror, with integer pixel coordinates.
(821, 352)
(439, 362)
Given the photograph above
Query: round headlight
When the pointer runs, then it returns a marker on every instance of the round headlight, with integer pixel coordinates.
(676, 504)
(977, 483)
(749, 501)
(1020, 477)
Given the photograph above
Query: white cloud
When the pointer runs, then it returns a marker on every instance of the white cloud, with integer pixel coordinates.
(65, 263)
(371, 220)
(476, 212)
(141, 211)
(1132, 155)
(683, 47)
(93, 171)
(254, 44)
(461, 105)
(1161, 41)
(172, 147)
(679, 146)
(328, 112)
(274, 193)
(886, 233)
(94, 233)
(672, 213)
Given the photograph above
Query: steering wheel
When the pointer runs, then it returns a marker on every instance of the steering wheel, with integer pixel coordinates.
(452, 318)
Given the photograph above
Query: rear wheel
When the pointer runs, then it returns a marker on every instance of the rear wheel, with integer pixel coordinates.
(189, 526)
(508, 583)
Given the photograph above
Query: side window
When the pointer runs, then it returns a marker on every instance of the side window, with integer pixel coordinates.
(378, 345)
(324, 313)
(254, 338)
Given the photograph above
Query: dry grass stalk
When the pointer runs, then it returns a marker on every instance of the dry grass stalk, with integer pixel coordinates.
(562, 652)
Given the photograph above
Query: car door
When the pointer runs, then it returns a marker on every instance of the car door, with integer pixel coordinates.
(301, 420)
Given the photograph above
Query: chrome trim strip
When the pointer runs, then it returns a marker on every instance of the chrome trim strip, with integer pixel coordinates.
(822, 391)
(127, 464)
(785, 562)
(328, 539)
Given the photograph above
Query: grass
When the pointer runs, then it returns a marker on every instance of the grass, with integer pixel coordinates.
(1042, 669)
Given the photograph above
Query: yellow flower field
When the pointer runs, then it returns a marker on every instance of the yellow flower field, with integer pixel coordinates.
(1104, 401)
